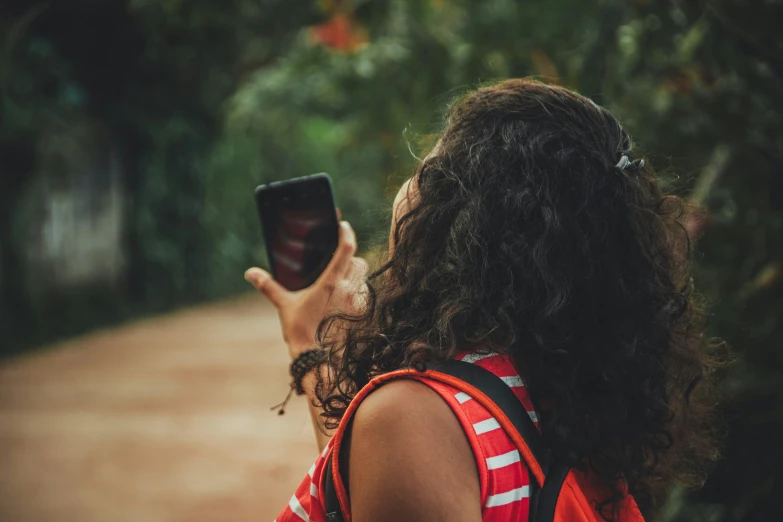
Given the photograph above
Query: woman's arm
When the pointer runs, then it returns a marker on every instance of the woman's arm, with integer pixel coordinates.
(338, 289)
(409, 459)
(322, 435)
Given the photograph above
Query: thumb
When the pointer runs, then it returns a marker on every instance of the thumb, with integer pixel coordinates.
(264, 283)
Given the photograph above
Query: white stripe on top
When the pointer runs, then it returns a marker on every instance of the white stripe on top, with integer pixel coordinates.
(311, 470)
(501, 461)
(297, 508)
(462, 397)
(313, 490)
(501, 499)
(473, 357)
(486, 425)
(514, 381)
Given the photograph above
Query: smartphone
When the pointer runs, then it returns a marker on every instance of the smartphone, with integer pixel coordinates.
(300, 226)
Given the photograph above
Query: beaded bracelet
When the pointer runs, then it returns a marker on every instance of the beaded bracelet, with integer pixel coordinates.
(303, 364)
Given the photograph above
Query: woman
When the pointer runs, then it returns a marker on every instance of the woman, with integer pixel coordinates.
(529, 241)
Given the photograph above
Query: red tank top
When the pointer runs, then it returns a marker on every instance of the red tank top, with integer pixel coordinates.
(504, 478)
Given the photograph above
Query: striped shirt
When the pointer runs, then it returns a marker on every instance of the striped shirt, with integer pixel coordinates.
(504, 479)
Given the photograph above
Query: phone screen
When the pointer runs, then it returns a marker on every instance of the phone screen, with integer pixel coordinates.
(300, 226)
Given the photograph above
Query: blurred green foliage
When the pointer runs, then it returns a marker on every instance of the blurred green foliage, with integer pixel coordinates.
(210, 99)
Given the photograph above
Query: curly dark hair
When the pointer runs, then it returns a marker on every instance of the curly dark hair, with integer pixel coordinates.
(525, 237)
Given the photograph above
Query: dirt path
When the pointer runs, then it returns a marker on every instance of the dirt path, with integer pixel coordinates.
(162, 420)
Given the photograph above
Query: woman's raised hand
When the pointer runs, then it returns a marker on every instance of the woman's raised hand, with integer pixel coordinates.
(338, 289)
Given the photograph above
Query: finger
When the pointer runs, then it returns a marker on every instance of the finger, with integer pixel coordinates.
(341, 261)
(339, 213)
(264, 283)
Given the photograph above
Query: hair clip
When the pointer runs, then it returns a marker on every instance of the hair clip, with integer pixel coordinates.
(625, 162)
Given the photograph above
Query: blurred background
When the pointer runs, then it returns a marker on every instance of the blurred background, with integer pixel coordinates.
(136, 378)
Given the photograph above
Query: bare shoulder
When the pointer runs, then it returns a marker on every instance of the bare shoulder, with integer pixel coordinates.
(410, 459)
(394, 404)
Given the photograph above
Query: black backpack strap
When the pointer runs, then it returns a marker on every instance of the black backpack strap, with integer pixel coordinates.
(331, 502)
(499, 392)
(543, 510)
(543, 501)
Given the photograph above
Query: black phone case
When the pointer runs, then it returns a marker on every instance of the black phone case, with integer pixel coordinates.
(268, 188)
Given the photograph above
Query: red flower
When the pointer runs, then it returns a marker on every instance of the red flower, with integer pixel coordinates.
(339, 33)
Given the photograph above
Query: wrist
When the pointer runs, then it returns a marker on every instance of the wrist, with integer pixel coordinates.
(305, 364)
(308, 384)
(294, 350)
